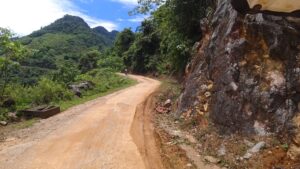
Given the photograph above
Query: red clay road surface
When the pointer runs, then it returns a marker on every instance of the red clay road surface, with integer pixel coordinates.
(94, 135)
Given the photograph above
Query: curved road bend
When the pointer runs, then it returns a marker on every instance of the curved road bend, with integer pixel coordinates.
(97, 137)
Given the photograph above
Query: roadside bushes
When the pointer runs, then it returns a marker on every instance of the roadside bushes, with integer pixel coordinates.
(111, 61)
(45, 92)
(104, 79)
(48, 91)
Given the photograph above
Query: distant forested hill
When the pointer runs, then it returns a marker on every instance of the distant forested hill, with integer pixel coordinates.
(65, 40)
(102, 31)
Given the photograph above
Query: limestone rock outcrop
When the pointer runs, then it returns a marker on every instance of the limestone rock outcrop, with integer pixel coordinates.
(249, 64)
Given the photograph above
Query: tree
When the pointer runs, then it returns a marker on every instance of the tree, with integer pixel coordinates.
(146, 6)
(110, 60)
(66, 72)
(123, 41)
(10, 53)
(143, 55)
(88, 61)
(177, 24)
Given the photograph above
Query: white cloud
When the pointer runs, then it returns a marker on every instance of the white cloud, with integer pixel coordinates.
(135, 19)
(25, 16)
(138, 19)
(127, 2)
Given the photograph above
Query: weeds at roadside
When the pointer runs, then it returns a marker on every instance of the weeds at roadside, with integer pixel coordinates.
(58, 95)
(170, 89)
(26, 123)
(67, 104)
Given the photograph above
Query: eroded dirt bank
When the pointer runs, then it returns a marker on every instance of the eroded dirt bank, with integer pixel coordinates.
(95, 135)
(143, 134)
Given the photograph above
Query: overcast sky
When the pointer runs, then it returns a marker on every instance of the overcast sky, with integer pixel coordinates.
(26, 16)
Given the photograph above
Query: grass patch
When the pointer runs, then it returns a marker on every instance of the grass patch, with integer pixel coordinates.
(169, 89)
(26, 123)
(104, 86)
(64, 105)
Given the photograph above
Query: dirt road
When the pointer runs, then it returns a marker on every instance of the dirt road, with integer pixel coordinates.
(95, 135)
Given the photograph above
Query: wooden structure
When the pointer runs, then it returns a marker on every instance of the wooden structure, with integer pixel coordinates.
(41, 111)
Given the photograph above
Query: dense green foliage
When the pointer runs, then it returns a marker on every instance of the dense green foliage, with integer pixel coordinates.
(109, 59)
(143, 54)
(38, 69)
(88, 61)
(66, 72)
(163, 42)
(10, 53)
(48, 91)
(123, 41)
(67, 40)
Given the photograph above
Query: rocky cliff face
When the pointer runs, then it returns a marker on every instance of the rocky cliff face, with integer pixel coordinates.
(246, 74)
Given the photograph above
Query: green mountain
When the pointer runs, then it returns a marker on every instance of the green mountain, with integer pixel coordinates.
(69, 35)
(65, 40)
(102, 31)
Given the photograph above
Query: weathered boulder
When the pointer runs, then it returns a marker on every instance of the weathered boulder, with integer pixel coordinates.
(3, 123)
(253, 63)
(212, 160)
(76, 88)
(255, 149)
(12, 116)
(168, 103)
(76, 91)
(222, 150)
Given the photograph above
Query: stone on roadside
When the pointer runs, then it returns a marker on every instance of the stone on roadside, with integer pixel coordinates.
(254, 149)
(201, 113)
(222, 150)
(207, 94)
(211, 159)
(257, 147)
(248, 143)
(210, 86)
(234, 86)
(205, 107)
(3, 123)
(12, 116)
(168, 103)
(203, 87)
(191, 139)
(247, 156)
